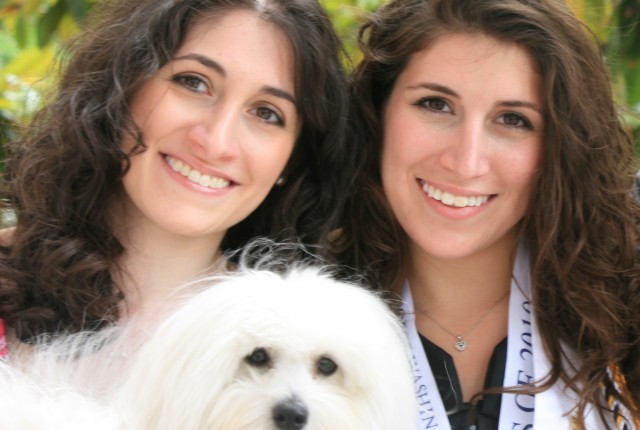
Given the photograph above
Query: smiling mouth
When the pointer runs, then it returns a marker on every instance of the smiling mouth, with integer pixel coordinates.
(196, 176)
(449, 199)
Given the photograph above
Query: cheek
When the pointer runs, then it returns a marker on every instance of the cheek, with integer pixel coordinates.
(403, 154)
(522, 171)
(394, 148)
(145, 100)
(408, 140)
(282, 157)
(269, 161)
(157, 112)
(395, 175)
(529, 163)
(138, 172)
(389, 168)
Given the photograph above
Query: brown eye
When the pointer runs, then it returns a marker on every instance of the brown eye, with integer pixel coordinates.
(268, 115)
(434, 104)
(512, 119)
(437, 104)
(326, 366)
(258, 358)
(192, 83)
(515, 120)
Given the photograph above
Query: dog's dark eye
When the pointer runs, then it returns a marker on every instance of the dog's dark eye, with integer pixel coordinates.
(327, 366)
(258, 358)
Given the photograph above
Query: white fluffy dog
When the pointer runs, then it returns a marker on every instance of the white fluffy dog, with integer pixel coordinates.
(257, 351)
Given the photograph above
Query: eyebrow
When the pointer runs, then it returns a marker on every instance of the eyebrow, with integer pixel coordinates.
(446, 90)
(435, 87)
(205, 61)
(217, 67)
(277, 92)
(517, 103)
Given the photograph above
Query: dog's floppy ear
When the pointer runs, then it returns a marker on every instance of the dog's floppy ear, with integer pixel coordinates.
(372, 348)
(391, 403)
(171, 384)
(384, 373)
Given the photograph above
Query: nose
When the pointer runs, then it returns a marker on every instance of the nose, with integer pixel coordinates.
(217, 134)
(466, 154)
(290, 414)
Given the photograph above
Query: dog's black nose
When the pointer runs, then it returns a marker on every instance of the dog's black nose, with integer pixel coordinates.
(290, 415)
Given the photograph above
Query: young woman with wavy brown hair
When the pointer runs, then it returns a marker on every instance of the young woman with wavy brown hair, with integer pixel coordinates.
(498, 192)
(180, 130)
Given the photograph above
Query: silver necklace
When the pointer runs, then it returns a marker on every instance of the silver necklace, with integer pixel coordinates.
(460, 343)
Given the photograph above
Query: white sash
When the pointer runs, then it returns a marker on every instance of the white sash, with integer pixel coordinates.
(526, 362)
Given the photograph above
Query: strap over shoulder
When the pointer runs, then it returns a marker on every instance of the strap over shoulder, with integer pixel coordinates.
(618, 385)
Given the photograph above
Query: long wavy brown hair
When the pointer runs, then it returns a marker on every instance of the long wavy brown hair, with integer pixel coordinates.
(582, 224)
(65, 172)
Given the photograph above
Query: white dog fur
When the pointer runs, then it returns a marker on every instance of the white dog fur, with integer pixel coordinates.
(254, 350)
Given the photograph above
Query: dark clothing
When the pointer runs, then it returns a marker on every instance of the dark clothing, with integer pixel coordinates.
(485, 414)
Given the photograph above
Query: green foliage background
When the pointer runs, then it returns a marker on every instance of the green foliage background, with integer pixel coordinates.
(31, 32)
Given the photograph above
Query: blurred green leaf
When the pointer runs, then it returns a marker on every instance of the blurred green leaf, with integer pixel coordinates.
(597, 15)
(21, 31)
(48, 24)
(369, 5)
(30, 64)
(68, 27)
(78, 9)
(629, 52)
(36, 7)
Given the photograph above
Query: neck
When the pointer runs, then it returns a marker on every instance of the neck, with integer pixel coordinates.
(462, 306)
(155, 263)
(453, 286)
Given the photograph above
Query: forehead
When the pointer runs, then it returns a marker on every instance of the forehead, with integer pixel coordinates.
(475, 62)
(241, 39)
(239, 23)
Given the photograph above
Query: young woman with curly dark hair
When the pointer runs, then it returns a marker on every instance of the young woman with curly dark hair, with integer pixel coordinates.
(498, 194)
(180, 130)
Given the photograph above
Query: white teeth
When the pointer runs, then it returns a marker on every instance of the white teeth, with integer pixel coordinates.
(437, 194)
(448, 199)
(452, 200)
(461, 202)
(196, 176)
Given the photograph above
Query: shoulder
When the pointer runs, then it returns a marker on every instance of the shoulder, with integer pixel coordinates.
(6, 235)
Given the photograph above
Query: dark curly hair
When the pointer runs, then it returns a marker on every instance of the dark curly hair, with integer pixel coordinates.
(582, 225)
(66, 171)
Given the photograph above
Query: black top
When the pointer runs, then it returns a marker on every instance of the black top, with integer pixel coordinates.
(485, 414)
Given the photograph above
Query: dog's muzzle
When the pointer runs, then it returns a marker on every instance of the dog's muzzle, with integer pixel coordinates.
(290, 414)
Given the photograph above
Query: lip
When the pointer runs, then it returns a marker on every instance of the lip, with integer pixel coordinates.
(460, 203)
(186, 182)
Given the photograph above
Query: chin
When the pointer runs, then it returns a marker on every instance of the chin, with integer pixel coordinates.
(254, 350)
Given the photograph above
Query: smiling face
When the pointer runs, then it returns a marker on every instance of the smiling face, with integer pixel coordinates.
(463, 131)
(220, 122)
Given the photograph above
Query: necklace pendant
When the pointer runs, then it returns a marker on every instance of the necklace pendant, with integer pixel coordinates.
(460, 345)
